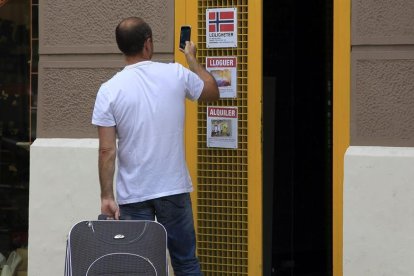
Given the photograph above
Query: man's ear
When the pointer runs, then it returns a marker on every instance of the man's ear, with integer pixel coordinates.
(148, 46)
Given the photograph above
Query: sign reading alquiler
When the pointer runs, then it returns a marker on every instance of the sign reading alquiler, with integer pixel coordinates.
(222, 127)
(224, 71)
(221, 28)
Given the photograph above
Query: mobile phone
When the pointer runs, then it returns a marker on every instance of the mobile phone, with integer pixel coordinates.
(185, 35)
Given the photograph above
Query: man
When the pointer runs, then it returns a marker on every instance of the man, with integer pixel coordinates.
(144, 107)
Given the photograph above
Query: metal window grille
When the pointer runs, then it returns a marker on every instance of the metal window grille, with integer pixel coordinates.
(222, 193)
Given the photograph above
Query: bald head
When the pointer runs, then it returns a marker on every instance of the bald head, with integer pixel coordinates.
(131, 34)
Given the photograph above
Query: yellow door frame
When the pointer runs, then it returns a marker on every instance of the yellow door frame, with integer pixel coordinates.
(341, 121)
(185, 13)
(255, 133)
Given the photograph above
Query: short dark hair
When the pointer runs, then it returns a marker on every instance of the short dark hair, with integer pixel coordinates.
(131, 34)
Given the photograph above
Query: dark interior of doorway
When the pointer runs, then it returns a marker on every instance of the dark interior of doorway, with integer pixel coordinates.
(297, 109)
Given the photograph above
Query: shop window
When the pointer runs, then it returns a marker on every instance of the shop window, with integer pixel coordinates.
(18, 90)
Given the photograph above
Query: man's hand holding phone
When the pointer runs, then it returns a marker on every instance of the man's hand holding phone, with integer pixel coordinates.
(190, 52)
(190, 49)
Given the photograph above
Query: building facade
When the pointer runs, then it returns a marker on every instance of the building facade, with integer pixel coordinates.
(372, 133)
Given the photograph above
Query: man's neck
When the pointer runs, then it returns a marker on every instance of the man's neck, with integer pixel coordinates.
(135, 59)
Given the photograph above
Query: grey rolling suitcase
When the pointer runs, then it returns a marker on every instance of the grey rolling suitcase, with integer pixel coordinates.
(116, 247)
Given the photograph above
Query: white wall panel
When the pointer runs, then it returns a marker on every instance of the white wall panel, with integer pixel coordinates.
(378, 228)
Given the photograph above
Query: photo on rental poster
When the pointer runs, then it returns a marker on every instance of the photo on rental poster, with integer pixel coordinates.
(222, 127)
(224, 70)
(221, 28)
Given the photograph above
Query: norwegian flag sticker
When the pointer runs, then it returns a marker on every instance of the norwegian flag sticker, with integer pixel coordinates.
(221, 21)
(221, 25)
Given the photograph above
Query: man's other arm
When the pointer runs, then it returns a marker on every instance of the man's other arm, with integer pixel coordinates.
(106, 163)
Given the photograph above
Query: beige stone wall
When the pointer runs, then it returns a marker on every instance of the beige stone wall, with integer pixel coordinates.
(78, 52)
(382, 76)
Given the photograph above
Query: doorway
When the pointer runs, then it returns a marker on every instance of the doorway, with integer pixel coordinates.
(297, 155)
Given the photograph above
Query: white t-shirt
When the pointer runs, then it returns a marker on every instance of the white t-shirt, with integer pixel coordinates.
(146, 103)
